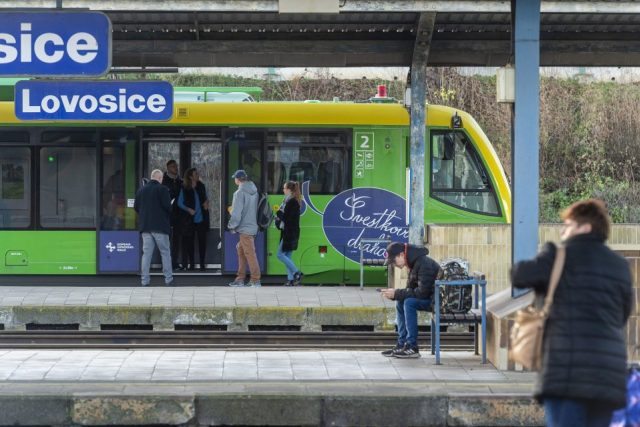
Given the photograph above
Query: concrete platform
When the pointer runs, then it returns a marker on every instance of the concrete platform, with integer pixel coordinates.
(202, 388)
(236, 309)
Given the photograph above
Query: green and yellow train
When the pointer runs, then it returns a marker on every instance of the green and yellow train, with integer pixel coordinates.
(67, 189)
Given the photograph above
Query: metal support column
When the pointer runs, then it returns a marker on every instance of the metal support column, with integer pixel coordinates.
(418, 75)
(526, 130)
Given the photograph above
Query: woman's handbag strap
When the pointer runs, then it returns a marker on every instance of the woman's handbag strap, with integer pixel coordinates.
(556, 272)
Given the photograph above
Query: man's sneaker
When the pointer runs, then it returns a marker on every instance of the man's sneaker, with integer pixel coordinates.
(392, 351)
(237, 283)
(408, 353)
(297, 278)
(254, 284)
(171, 283)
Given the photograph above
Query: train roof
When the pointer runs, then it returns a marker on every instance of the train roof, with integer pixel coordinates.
(273, 114)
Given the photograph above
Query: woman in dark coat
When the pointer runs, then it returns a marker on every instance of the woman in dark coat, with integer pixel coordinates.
(194, 218)
(288, 221)
(583, 375)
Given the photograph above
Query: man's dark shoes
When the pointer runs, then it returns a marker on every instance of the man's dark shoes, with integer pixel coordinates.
(289, 283)
(392, 351)
(297, 278)
(408, 353)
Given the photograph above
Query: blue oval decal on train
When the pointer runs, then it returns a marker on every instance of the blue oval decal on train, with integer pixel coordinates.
(365, 213)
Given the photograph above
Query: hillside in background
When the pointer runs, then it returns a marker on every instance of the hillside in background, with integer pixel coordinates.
(589, 132)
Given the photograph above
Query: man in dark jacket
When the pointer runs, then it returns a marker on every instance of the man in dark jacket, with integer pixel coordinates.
(153, 205)
(583, 375)
(416, 296)
(171, 179)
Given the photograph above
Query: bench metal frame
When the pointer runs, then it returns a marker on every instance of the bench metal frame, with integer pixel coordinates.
(435, 320)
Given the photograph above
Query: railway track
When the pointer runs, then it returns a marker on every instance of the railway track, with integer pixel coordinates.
(258, 340)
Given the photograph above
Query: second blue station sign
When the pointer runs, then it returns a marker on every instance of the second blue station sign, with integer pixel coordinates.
(94, 100)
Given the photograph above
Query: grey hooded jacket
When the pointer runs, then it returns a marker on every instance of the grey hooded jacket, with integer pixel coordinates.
(244, 209)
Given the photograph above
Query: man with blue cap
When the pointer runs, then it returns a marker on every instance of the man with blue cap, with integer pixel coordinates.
(244, 213)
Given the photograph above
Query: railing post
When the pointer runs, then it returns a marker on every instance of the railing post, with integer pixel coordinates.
(361, 268)
(437, 314)
(484, 319)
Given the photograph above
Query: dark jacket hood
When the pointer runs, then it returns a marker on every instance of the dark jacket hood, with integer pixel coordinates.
(414, 252)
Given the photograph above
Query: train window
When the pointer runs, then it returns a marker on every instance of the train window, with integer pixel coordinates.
(322, 167)
(207, 159)
(316, 157)
(113, 189)
(15, 187)
(302, 137)
(68, 187)
(65, 137)
(13, 137)
(458, 176)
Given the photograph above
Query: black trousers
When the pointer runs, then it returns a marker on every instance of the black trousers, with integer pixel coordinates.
(188, 246)
(175, 246)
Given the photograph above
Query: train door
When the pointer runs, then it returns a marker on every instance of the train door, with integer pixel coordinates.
(244, 150)
(192, 148)
(118, 237)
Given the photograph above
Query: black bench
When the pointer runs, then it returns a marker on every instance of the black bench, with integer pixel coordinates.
(472, 317)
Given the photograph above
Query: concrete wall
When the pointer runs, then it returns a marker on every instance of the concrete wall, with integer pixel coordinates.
(488, 247)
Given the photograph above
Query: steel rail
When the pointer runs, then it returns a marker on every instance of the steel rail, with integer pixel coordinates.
(271, 340)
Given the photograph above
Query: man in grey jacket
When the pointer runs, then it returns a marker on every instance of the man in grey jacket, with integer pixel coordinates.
(244, 213)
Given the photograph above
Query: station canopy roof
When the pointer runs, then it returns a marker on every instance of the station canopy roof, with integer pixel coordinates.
(253, 33)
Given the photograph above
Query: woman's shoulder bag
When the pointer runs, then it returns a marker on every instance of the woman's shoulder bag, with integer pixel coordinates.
(526, 335)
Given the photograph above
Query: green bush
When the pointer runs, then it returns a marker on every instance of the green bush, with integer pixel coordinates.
(589, 132)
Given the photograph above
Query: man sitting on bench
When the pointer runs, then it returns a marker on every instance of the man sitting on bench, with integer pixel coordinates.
(416, 296)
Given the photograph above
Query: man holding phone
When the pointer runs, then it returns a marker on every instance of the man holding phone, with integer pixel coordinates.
(416, 296)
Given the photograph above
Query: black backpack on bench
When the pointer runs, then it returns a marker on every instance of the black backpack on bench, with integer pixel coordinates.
(455, 299)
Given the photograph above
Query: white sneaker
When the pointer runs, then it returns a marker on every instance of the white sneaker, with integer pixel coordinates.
(236, 284)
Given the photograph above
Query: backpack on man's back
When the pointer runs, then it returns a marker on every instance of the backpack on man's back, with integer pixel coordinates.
(264, 213)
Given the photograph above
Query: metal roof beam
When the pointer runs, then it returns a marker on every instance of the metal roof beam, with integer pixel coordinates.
(350, 53)
(348, 5)
(225, 53)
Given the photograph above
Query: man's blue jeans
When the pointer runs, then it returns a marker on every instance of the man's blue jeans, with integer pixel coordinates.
(575, 413)
(407, 319)
(149, 242)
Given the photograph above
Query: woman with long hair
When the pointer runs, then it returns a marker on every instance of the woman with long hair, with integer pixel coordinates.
(194, 218)
(288, 221)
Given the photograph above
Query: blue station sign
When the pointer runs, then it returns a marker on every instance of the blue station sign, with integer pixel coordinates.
(55, 44)
(93, 100)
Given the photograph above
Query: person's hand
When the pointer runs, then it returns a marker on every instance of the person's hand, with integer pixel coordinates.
(192, 211)
(388, 293)
(205, 205)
